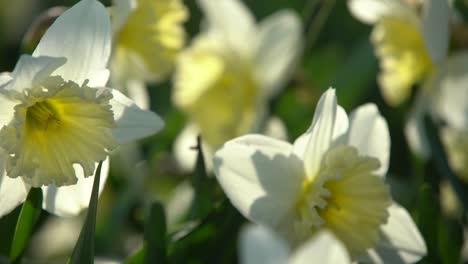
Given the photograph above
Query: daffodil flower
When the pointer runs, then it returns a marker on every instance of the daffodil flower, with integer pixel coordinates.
(148, 37)
(445, 99)
(259, 244)
(332, 178)
(58, 120)
(224, 79)
(410, 38)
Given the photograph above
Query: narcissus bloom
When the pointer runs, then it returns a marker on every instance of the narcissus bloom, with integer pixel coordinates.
(410, 38)
(224, 79)
(259, 244)
(445, 99)
(57, 118)
(332, 178)
(148, 36)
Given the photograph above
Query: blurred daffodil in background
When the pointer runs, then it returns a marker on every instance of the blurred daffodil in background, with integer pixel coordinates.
(445, 100)
(148, 37)
(258, 244)
(332, 178)
(225, 78)
(58, 118)
(410, 39)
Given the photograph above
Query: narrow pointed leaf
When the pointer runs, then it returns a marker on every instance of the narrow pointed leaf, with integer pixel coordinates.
(137, 257)
(155, 235)
(27, 219)
(428, 220)
(201, 204)
(83, 253)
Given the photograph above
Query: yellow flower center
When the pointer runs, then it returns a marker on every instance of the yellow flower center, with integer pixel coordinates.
(403, 57)
(217, 91)
(57, 124)
(347, 198)
(152, 36)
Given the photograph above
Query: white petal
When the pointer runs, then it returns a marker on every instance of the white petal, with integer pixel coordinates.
(98, 78)
(231, 20)
(30, 70)
(339, 131)
(323, 247)
(451, 94)
(71, 200)
(341, 123)
(320, 133)
(260, 245)
(120, 11)
(138, 92)
(279, 44)
(415, 130)
(82, 35)
(178, 205)
(13, 192)
(260, 177)
(370, 11)
(132, 122)
(368, 132)
(275, 128)
(5, 78)
(7, 110)
(435, 23)
(400, 241)
(185, 153)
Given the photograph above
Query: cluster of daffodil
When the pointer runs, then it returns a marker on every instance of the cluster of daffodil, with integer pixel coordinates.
(411, 40)
(64, 109)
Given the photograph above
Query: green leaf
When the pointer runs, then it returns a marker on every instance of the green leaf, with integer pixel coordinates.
(83, 252)
(428, 220)
(28, 217)
(155, 235)
(202, 202)
(137, 257)
(155, 248)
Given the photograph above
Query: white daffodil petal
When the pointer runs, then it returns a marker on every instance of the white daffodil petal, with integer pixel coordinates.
(415, 130)
(138, 92)
(369, 11)
(435, 23)
(260, 245)
(132, 122)
(368, 132)
(324, 247)
(339, 130)
(451, 97)
(185, 152)
(341, 123)
(321, 132)
(184, 148)
(5, 78)
(70, 200)
(260, 177)
(30, 70)
(232, 20)
(279, 44)
(400, 240)
(120, 11)
(87, 46)
(7, 110)
(13, 192)
(98, 79)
